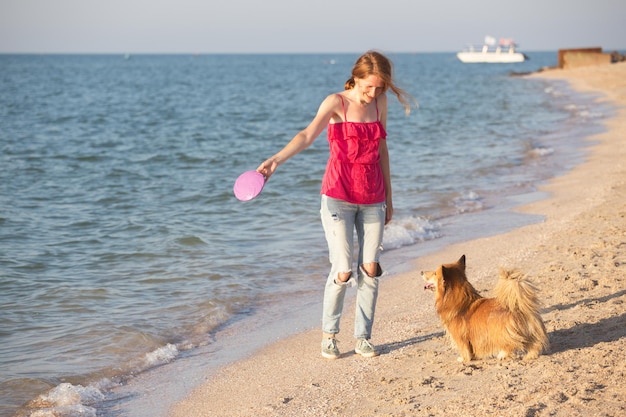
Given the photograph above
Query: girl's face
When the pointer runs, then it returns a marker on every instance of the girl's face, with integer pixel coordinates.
(369, 88)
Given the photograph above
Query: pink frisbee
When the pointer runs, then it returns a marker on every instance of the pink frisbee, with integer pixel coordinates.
(249, 185)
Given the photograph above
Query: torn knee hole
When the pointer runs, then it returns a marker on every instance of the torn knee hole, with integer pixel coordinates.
(379, 270)
(343, 277)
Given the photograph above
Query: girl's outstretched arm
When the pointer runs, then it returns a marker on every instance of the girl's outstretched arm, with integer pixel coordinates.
(302, 139)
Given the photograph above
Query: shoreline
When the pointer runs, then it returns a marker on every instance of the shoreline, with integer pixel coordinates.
(577, 256)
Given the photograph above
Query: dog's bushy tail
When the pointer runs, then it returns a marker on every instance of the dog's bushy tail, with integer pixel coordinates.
(518, 295)
(515, 292)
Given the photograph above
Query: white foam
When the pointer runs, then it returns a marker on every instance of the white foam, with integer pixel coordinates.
(68, 394)
(161, 356)
(468, 202)
(408, 231)
(69, 400)
(553, 91)
(586, 114)
(66, 411)
(582, 111)
(541, 151)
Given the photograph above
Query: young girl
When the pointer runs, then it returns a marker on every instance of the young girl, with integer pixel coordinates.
(356, 191)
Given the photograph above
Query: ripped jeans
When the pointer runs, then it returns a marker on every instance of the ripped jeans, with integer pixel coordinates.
(340, 219)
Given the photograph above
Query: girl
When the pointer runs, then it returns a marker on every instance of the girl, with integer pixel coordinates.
(356, 191)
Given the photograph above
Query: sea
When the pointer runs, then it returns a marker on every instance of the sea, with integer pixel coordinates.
(129, 272)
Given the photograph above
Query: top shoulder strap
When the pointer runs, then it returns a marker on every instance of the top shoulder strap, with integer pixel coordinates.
(343, 107)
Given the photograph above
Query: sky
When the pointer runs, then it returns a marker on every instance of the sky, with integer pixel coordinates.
(297, 26)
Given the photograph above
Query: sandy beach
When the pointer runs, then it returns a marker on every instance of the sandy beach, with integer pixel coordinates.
(576, 257)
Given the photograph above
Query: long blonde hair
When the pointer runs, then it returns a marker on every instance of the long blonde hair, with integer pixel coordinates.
(375, 63)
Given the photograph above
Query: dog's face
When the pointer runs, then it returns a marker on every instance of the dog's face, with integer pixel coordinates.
(431, 280)
(436, 281)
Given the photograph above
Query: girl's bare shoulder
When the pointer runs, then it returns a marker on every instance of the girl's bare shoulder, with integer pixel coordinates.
(334, 99)
(332, 103)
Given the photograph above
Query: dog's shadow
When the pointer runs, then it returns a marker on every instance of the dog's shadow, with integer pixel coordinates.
(390, 347)
(583, 335)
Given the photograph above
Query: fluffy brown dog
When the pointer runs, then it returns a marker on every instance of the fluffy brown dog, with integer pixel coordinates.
(483, 327)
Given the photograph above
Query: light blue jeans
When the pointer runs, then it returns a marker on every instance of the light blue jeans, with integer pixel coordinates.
(340, 219)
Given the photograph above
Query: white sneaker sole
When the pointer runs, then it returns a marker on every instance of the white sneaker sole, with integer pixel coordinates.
(366, 354)
(329, 355)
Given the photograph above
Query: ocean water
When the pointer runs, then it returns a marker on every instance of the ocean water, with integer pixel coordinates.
(125, 259)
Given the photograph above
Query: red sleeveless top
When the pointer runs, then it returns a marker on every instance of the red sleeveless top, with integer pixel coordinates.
(353, 173)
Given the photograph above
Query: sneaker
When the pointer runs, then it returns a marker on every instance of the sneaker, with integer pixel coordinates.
(329, 348)
(365, 348)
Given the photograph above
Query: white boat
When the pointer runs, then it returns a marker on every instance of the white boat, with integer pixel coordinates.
(490, 52)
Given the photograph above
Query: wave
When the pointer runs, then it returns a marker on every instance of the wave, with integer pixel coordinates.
(409, 231)
(69, 400)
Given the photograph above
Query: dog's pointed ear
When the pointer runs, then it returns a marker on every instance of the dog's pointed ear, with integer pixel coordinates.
(444, 273)
(461, 262)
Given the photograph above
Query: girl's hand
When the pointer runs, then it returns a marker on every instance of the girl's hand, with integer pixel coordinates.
(388, 212)
(267, 168)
